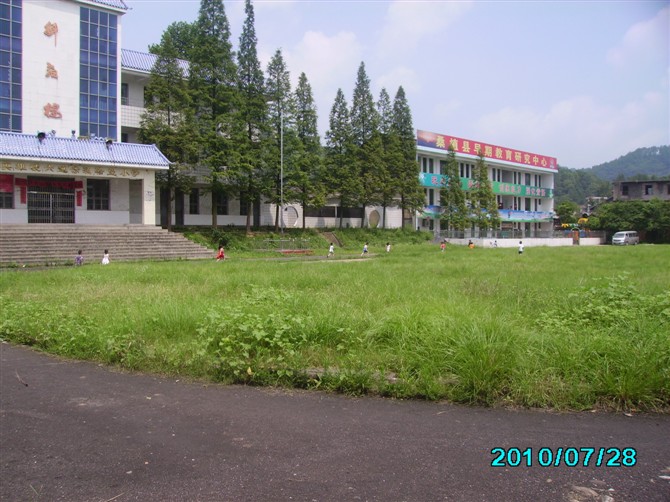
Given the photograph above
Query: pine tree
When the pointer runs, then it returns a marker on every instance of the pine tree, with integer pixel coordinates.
(365, 127)
(409, 188)
(341, 174)
(307, 182)
(280, 116)
(391, 158)
(168, 122)
(250, 174)
(212, 79)
(483, 200)
(452, 197)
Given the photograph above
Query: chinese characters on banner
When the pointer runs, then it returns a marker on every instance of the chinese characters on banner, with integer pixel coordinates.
(460, 145)
(498, 187)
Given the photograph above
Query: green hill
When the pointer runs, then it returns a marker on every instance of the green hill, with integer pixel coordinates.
(642, 163)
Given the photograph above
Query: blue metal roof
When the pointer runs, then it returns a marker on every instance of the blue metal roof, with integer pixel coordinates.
(117, 4)
(28, 146)
(144, 61)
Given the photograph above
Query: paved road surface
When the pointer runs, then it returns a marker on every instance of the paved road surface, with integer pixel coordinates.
(75, 431)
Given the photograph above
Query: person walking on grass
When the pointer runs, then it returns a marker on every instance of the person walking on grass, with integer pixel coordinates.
(331, 250)
(442, 246)
(79, 259)
(520, 247)
(365, 249)
(221, 255)
(105, 258)
(388, 247)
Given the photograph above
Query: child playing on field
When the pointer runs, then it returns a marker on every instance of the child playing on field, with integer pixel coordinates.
(105, 258)
(221, 255)
(365, 249)
(520, 247)
(331, 250)
(79, 259)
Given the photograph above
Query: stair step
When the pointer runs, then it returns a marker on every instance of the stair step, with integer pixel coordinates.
(37, 243)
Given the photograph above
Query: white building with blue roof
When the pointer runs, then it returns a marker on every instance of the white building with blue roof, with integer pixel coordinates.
(61, 159)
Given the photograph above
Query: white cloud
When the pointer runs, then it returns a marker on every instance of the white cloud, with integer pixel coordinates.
(391, 80)
(580, 131)
(330, 62)
(644, 42)
(408, 22)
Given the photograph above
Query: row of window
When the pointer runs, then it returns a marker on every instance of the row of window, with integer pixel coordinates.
(98, 75)
(466, 170)
(647, 189)
(11, 15)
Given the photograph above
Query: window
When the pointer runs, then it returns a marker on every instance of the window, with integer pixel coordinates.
(321, 212)
(194, 201)
(97, 195)
(649, 189)
(6, 200)
(10, 65)
(527, 183)
(124, 93)
(624, 189)
(98, 76)
(221, 201)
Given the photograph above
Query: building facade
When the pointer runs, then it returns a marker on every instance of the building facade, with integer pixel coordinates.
(71, 102)
(641, 190)
(60, 159)
(522, 182)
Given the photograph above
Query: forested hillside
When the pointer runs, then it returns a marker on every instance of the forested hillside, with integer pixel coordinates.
(644, 163)
(575, 185)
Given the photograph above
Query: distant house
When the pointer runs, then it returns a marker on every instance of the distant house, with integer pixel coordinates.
(641, 190)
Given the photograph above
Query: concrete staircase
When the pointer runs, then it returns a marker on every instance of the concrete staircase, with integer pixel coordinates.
(37, 244)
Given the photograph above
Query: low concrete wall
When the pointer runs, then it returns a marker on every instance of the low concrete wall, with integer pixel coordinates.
(529, 242)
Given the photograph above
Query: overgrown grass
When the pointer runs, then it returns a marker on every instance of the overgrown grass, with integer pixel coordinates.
(566, 328)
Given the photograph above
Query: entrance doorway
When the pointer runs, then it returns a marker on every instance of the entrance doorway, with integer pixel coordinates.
(50, 200)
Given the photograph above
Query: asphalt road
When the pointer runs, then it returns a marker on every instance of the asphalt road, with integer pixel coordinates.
(75, 431)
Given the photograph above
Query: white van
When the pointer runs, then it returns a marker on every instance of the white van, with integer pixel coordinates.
(626, 238)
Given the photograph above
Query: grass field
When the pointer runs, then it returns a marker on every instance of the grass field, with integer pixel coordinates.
(563, 328)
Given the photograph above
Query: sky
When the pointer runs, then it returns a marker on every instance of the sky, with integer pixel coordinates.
(583, 81)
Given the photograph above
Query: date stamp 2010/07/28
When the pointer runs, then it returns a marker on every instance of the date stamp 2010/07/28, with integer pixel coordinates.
(570, 457)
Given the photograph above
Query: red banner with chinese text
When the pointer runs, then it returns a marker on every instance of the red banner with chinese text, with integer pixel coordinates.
(494, 152)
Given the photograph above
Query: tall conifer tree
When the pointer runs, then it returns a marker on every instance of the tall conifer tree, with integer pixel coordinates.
(252, 116)
(391, 158)
(280, 110)
(168, 121)
(307, 182)
(365, 130)
(452, 197)
(483, 200)
(213, 77)
(343, 178)
(409, 189)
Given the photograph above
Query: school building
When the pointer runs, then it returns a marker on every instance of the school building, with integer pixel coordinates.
(523, 182)
(71, 101)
